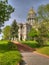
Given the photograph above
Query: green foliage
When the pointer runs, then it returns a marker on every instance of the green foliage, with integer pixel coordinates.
(4, 41)
(10, 58)
(3, 46)
(40, 41)
(43, 29)
(47, 43)
(7, 46)
(12, 46)
(8, 53)
(43, 34)
(5, 11)
(32, 44)
(43, 12)
(7, 33)
(14, 29)
(33, 33)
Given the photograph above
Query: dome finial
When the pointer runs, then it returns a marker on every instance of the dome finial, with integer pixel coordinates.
(31, 11)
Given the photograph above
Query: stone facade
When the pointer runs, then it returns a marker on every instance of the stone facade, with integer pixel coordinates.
(25, 28)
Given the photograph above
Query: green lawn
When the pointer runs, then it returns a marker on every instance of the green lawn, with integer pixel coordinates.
(43, 50)
(9, 55)
(3, 47)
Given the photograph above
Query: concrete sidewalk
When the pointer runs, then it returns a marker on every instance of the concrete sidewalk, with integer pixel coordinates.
(31, 58)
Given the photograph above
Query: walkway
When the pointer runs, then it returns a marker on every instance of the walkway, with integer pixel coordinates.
(23, 48)
(34, 59)
(31, 58)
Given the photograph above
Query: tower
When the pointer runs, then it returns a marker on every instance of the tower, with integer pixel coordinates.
(25, 28)
(31, 17)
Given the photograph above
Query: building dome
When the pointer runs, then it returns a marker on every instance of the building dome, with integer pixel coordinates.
(31, 11)
(31, 14)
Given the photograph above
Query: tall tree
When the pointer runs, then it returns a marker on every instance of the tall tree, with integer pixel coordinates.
(14, 29)
(7, 33)
(5, 11)
(44, 29)
(43, 16)
(43, 12)
(43, 34)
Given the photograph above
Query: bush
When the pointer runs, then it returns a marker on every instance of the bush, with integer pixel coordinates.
(12, 46)
(10, 58)
(40, 41)
(32, 44)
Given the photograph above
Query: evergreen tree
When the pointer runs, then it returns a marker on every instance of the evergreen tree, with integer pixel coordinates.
(14, 29)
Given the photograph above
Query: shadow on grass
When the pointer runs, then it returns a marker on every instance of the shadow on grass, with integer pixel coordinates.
(43, 46)
(46, 45)
(7, 47)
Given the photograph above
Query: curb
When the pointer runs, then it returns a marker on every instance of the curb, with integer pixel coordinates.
(41, 54)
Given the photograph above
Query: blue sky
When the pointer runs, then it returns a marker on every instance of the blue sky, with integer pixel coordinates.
(21, 9)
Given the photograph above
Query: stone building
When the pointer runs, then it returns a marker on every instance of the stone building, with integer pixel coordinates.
(25, 28)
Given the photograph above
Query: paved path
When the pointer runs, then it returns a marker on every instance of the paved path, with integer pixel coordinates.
(31, 58)
(23, 47)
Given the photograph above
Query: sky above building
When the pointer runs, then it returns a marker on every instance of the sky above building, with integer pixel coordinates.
(21, 9)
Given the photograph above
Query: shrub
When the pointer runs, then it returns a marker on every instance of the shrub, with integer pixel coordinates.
(12, 46)
(32, 44)
(40, 41)
(10, 58)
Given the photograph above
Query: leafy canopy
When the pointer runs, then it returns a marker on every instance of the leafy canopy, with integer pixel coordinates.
(7, 32)
(43, 12)
(33, 33)
(5, 11)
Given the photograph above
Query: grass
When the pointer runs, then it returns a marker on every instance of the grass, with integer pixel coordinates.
(8, 51)
(43, 50)
(4, 41)
(3, 47)
(6, 46)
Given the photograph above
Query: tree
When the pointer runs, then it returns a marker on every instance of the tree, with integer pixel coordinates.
(14, 29)
(43, 12)
(44, 30)
(5, 11)
(43, 34)
(7, 33)
(43, 16)
(33, 34)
